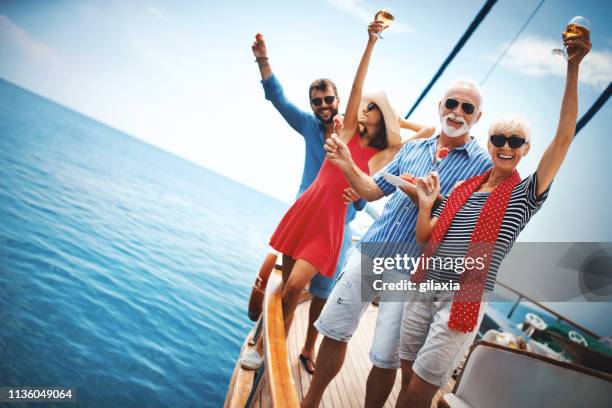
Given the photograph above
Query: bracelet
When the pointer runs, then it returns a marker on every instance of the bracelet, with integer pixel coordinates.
(261, 59)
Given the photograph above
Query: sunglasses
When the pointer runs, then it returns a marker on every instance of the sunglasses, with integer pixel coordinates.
(467, 107)
(514, 141)
(371, 106)
(319, 101)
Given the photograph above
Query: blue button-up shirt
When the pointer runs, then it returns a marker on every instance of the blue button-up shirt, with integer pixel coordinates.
(394, 231)
(311, 128)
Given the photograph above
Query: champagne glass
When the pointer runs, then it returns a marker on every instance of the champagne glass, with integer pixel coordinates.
(577, 26)
(385, 16)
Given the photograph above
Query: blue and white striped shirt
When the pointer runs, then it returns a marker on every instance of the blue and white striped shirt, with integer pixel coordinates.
(394, 231)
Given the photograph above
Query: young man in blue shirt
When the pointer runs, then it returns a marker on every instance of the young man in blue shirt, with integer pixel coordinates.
(315, 127)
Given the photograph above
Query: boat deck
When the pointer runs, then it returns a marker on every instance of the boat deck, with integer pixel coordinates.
(348, 388)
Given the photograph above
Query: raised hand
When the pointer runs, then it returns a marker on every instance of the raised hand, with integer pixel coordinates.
(259, 46)
(349, 195)
(577, 46)
(338, 152)
(428, 189)
(374, 28)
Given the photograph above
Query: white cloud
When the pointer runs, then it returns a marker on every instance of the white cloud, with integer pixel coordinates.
(531, 55)
(155, 12)
(356, 9)
(15, 38)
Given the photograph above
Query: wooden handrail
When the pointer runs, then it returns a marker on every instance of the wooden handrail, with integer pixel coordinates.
(276, 358)
(552, 312)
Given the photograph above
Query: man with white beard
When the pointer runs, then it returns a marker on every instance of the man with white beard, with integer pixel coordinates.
(456, 156)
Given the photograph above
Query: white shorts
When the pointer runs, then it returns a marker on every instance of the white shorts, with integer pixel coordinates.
(346, 304)
(426, 339)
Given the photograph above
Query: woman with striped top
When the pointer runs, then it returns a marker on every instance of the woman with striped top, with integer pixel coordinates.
(468, 236)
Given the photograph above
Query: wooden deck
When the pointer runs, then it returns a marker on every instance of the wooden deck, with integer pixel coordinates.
(347, 390)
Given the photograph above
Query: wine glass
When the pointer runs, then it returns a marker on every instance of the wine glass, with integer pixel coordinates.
(385, 16)
(577, 26)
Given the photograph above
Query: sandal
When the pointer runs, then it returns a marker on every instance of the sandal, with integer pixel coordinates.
(305, 362)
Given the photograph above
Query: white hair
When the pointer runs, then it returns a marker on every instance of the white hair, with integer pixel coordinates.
(511, 124)
(466, 83)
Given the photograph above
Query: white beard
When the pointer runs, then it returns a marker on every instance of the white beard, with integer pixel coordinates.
(451, 131)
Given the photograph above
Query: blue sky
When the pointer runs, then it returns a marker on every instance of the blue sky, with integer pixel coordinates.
(181, 76)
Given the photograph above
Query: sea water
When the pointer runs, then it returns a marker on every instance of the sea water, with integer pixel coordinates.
(125, 271)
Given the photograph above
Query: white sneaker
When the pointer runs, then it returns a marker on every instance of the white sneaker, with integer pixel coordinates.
(251, 360)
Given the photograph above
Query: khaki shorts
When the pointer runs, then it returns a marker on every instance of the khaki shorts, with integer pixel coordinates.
(347, 303)
(426, 339)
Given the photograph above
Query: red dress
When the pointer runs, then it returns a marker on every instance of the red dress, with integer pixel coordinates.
(312, 229)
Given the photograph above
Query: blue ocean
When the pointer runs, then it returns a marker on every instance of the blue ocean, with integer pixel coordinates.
(124, 270)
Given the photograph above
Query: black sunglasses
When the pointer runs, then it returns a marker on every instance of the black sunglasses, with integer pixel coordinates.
(318, 101)
(467, 107)
(514, 141)
(371, 106)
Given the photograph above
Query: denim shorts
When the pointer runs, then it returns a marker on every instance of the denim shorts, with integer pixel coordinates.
(346, 304)
(321, 286)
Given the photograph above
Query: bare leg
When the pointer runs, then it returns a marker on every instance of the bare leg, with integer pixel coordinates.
(316, 306)
(406, 377)
(300, 275)
(415, 392)
(379, 386)
(329, 362)
(287, 264)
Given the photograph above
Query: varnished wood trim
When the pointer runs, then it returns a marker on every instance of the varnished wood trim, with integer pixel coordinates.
(242, 388)
(235, 396)
(276, 359)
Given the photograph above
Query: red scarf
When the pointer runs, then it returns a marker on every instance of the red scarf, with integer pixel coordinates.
(466, 302)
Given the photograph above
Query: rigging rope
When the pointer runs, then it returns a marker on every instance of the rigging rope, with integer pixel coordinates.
(520, 31)
(468, 33)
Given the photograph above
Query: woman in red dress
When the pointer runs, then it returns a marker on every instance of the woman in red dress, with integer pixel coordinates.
(310, 234)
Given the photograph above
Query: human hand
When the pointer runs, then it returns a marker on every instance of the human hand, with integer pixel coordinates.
(375, 28)
(411, 192)
(428, 189)
(338, 152)
(259, 46)
(338, 122)
(349, 195)
(577, 46)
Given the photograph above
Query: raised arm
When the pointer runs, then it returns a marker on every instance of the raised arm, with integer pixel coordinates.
(416, 127)
(351, 117)
(384, 157)
(421, 131)
(261, 56)
(294, 116)
(578, 48)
